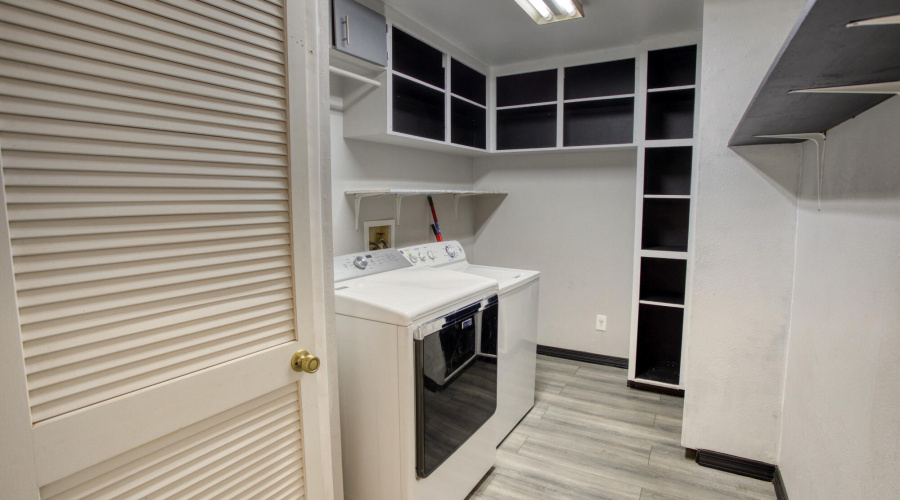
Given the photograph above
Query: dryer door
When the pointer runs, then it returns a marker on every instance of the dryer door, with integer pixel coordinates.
(456, 383)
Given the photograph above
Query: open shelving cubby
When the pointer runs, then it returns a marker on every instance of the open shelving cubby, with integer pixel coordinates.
(417, 109)
(665, 189)
(526, 110)
(667, 171)
(659, 339)
(662, 281)
(666, 224)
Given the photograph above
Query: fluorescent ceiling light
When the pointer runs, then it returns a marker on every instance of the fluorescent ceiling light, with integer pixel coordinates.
(551, 11)
(542, 9)
(565, 6)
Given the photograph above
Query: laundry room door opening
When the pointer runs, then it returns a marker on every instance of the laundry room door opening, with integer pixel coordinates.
(162, 252)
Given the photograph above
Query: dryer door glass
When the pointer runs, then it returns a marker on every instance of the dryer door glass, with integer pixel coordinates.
(456, 385)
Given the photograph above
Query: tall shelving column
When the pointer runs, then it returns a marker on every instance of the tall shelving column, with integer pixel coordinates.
(666, 135)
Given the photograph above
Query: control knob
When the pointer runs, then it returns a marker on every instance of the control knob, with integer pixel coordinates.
(431, 255)
(450, 251)
(360, 262)
(422, 256)
(412, 258)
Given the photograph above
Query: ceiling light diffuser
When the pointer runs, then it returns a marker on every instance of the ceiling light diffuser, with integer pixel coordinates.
(551, 11)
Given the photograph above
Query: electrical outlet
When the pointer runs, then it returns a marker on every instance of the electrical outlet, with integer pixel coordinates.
(601, 323)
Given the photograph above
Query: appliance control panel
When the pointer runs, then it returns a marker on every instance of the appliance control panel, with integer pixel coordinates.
(357, 265)
(434, 254)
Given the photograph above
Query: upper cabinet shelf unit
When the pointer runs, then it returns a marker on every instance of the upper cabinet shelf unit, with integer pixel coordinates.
(427, 95)
(836, 44)
(576, 106)
(435, 97)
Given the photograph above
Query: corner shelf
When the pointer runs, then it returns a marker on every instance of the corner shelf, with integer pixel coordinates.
(358, 195)
(828, 48)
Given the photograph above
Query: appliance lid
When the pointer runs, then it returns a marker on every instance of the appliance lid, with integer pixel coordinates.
(406, 296)
(506, 278)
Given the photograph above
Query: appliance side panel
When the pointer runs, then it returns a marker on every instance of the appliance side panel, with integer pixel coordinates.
(518, 356)
(370, 420)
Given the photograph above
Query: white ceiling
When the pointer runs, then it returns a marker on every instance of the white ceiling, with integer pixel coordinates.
(499, 32)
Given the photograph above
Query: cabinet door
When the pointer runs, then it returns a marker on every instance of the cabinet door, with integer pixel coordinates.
(359, 31)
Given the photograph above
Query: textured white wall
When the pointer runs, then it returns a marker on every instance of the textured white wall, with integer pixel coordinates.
(359, 164)
(570, 216)
(744, 242)
(841, 434)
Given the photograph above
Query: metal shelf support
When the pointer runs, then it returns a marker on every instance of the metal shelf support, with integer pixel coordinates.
(819, 139)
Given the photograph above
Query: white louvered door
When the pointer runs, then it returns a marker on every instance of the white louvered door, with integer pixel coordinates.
(164, 256)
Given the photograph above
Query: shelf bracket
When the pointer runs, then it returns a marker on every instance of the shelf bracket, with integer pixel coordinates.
(399, 201)
(819, 139)
(356, 200)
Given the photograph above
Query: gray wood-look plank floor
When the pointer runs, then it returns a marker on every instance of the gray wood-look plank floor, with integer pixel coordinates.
(591, 437)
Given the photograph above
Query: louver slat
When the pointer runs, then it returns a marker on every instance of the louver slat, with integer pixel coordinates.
(254, 448)
(145, 175)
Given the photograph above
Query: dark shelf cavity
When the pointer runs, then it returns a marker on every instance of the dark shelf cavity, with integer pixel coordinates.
(418, 110)
(607, 121)
(672, 67)
(468, 83)
(526, 128)
(665, 224)
(468, 124)
(663, 280)
(667, 171)
(599, 80)
(658, 356)
(417, 59)
(526, 88)
(670, 115)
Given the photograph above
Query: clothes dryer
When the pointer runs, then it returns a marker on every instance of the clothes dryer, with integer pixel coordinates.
(518, 290)
(417, 370)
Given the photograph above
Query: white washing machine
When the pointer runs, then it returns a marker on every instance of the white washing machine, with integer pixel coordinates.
(518, 326)
(417, 372)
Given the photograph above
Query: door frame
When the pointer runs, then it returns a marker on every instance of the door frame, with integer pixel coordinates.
(309, 143)
(306, 48)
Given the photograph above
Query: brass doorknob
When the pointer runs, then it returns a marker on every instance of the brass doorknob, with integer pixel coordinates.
(303, 361)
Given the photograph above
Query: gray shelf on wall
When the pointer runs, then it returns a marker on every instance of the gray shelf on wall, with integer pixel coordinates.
(828, 48)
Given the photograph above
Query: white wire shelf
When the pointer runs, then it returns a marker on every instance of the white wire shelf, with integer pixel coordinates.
(358, 195)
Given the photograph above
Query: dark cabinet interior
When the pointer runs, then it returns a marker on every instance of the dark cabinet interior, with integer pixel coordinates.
(670, 114)
(417, 110)
(607, 121)
(667, 171)
(468, 124)
(599, 80)
(674, 67)
(417, 59)
(468, 83)
(665, 225)
(529, 127)
(658, 356)
(526, 88)
(662, 280)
